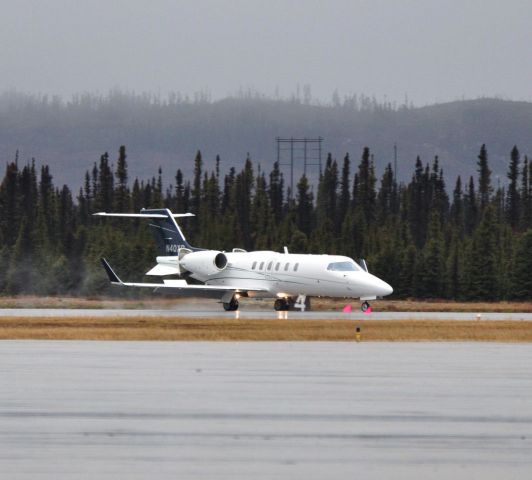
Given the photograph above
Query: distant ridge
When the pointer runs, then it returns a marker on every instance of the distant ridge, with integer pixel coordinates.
(71, 136)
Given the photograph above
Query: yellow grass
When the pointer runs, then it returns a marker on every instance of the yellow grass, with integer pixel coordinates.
(320, 304)
(181, 328)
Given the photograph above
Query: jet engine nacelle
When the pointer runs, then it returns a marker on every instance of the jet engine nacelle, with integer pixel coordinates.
(204, 262)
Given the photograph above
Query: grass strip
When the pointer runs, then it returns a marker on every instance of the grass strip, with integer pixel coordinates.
(218, 329)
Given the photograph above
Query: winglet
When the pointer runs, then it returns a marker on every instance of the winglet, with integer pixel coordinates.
(113, 277)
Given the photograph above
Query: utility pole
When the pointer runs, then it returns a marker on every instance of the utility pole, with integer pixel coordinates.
(306, 149)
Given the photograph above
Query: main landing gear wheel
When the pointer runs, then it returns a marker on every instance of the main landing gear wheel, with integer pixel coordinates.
(364, 306)
(281, 305)
(231, 306)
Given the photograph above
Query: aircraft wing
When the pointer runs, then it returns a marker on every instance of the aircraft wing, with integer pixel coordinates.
(178, 286)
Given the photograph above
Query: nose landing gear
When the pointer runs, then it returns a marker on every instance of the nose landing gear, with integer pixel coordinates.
(364, 307)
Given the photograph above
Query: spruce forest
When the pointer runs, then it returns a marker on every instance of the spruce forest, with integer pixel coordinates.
(471, 240)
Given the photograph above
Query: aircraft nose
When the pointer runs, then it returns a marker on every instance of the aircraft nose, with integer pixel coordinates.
(387, 289)
(381, 287)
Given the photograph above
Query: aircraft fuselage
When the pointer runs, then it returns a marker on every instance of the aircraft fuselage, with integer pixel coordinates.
(283, 274)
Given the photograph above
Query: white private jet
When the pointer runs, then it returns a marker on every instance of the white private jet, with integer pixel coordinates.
(288, 277)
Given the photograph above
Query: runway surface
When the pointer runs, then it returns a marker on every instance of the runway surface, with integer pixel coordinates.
(232, 410)
(217, 311)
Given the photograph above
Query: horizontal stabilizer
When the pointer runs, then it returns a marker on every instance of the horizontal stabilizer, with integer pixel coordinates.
(162, 269)
(163, 225)
(142, 215)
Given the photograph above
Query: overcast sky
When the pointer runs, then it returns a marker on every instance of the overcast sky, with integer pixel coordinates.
(432, 51)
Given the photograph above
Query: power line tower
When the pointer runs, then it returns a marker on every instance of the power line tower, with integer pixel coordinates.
(292, 151)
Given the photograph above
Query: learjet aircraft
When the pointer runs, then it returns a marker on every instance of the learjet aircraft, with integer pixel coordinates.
(288, 277)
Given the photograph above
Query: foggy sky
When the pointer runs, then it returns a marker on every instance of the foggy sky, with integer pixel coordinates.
(431, 51)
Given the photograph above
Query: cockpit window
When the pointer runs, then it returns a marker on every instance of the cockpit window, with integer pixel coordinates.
(343, 267)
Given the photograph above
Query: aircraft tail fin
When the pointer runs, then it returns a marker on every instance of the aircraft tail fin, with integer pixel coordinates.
(166, 231)
(163, 225)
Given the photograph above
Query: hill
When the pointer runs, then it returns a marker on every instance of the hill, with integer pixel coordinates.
(70, 136)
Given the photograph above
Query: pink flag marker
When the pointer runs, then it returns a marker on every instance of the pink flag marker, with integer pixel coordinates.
(368, 311)
(347, 309)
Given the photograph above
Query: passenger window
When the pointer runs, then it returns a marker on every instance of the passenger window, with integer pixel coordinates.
(270, 265)
(277, 266)
(286, 267)
(296, 267)
(254, 265)
(261, 265)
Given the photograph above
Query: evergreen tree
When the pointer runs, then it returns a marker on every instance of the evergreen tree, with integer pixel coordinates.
(407, 274)
(454, 270)
(457, 207)
(217, 168)
(484, 179)
(196, 184)
(65, 219)
(9, 204)
(385, 263)
(209, 214)
(88, 198)
(352, 235)
(327, 191)
(439, 200)
(521, 279)
(121, 195)
(137, 200)
(366, 194)
(261, 216)
(21, 276)
(344, 198)
(385, 197)
(326, 205)
(512, 196)
(305, 220)
(298, 242)
(526, 196)
(157, 190)
(483, 282)
(105, 185)
(243, 193)
(276, 192)
(433, 273)
(417, 206)
(228, 205)
(179, 192)
(28, 193)
(470, 208)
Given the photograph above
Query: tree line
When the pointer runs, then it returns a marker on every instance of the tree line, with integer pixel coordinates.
(471, 242)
